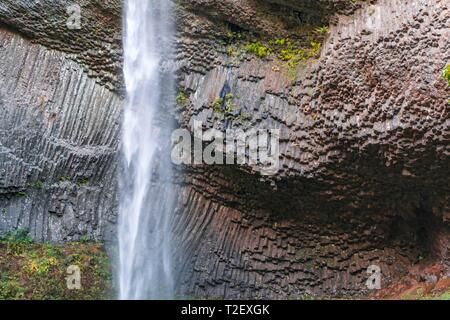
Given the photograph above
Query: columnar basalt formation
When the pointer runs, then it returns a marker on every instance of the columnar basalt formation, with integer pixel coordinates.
(59, 135)
(97, 45)
(364, 139)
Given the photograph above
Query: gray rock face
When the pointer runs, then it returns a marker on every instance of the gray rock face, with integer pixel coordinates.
(97, 45)
(58, 141)
(364, 130)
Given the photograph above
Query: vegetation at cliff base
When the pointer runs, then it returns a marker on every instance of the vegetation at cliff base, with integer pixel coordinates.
(38, 271)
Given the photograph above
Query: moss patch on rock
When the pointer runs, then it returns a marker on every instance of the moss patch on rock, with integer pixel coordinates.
(288, 52)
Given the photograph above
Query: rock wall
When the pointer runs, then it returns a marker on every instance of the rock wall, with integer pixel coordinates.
(58, 142)
(364, 130)
(364, 164)
(97, 45)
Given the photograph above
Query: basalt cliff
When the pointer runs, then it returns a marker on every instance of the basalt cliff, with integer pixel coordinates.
(355, 88)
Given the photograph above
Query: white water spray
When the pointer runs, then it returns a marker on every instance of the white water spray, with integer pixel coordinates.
(146, 199)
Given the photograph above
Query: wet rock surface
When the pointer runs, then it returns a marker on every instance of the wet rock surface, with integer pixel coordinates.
(364, 140)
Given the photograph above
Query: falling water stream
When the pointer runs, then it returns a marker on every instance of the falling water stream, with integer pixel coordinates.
(146, 199)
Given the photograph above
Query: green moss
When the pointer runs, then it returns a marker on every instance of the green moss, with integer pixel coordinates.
(419, 294)
(289, 52)
(217, 105)
(36, 185)
(38, 271)
(84, 239)
(305, 43)
(322, 30)
(258, 49)
(182, 99)
(230, 51)
(230, 106)
(444, 296)
(39, 184)
(19, 236)
(82, 182)
(446, 74)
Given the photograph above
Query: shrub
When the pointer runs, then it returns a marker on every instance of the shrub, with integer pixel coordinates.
(258, 49)
(182, 99)
(19, 236)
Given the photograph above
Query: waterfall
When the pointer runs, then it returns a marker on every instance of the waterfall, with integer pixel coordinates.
(146, 199)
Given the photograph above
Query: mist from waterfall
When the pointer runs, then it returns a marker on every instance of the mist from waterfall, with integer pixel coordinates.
(146, 194)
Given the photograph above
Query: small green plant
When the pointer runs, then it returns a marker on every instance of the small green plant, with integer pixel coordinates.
(314, 48)
(18, 236)
(84, 239)
(278, 42)
(258, 49)
(446, 74)
(182, 99)
(82, 182)
(290, 52)
(10, 289)
(38, 184)
(322, 30)
(217, 105)
(230, 107)
(233, 36)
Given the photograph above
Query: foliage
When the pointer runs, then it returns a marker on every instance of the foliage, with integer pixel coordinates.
(322, 30)
(19, 236)
(421, 294)
(217, 105)
(229, 104)
(258, 49)
(36, 185)
(82, 182)
(446, 74)
(38, 271)
(304, 44)
(182, 99)
(64, 179)
(231, 109)
(84, 239)
(288, 50)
